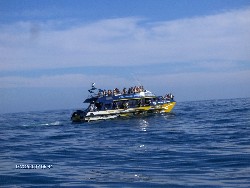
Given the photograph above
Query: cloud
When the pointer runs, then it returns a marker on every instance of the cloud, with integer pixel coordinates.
(126, 41)
(62, 81)
(185, 86)
(200, 85)
(198, 56)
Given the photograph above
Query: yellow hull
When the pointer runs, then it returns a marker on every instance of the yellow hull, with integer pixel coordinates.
(163, 108)
(110, 114)
(168, 107)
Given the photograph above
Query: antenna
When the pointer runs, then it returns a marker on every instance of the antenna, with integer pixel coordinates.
(92, 90)
(136, 79)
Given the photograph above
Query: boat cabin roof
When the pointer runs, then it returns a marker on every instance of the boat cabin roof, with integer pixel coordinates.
(120, 97)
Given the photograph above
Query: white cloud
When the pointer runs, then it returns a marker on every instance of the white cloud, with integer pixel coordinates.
(185, 86)
(194, 86)
(63, 81)
(126, 41)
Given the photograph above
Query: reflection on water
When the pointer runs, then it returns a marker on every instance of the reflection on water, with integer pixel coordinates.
(143, 124)
(200, 144)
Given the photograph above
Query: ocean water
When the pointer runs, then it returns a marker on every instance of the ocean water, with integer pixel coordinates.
(199, 144)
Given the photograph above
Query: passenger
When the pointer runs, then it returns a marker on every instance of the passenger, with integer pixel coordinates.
(115, 105)
(125, 105)
(171, 96)
(129, 91)
(92, 107)
(117, 91)
(98, 106)
(104, 92)
(109, 92)
(134, 89)
(124, 91)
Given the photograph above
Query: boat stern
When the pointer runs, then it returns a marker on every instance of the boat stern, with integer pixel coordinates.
(78, 116)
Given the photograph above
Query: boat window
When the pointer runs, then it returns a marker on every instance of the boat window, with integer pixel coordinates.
(92, 107)
(125, 104)
(107, 106)
(148, 101)
(99, 106)
(134, 102)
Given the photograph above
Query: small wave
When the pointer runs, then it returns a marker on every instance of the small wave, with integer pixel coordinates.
(143, 124)
(42, 124)
(238, 110)
(53, 123)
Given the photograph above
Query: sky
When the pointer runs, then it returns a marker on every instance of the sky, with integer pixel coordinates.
(52, 51)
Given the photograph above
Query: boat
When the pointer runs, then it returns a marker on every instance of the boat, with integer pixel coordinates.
(111, 104)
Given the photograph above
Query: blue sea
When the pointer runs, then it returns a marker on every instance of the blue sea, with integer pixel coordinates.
(198, 144)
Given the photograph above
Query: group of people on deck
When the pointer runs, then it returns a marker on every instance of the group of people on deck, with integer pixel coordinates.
(169, 96)
(116, 91)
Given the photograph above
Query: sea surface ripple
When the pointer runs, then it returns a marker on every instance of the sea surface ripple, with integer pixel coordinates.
(199, 144)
